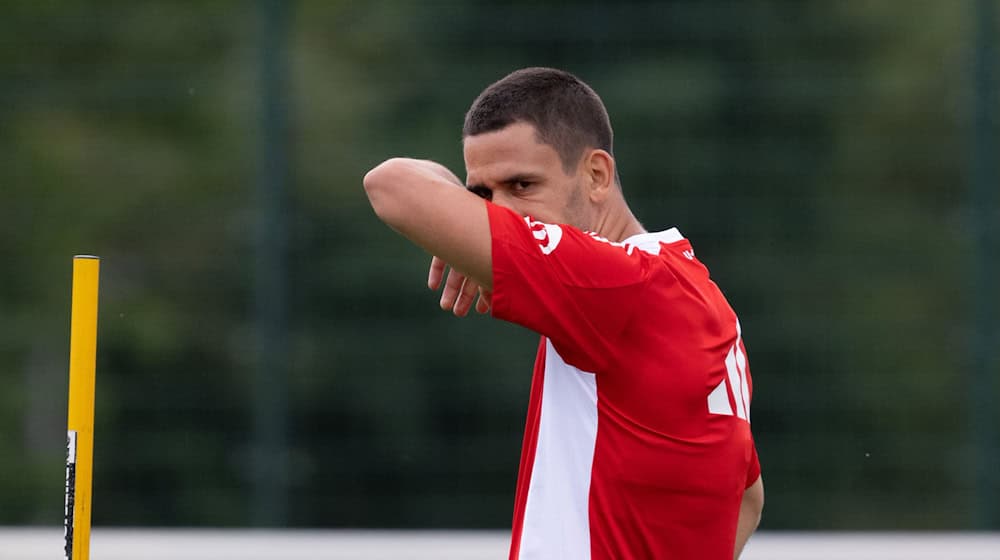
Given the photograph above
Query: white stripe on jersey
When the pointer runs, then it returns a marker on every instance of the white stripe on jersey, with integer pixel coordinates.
(556, 517)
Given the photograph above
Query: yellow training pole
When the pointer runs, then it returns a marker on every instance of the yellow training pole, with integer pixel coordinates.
(80, 427)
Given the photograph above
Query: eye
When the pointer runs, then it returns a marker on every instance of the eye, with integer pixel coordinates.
(522, 185)
(482, 192)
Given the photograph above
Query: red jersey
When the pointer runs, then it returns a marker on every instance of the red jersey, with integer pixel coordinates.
(637, 443)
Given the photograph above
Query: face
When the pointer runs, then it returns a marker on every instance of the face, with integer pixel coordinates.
(513, 169)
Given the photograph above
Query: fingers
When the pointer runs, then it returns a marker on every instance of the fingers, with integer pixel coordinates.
(459, 292)
(435, 274)
(465, 298)
(452, 289)
(485, 301)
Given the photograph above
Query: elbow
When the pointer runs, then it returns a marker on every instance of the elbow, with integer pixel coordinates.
(382, 185)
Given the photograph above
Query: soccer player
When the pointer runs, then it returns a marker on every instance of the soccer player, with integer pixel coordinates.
(638, 443)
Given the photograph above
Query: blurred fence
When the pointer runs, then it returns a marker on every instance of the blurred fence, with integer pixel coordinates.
(123, 544)
(277, 361)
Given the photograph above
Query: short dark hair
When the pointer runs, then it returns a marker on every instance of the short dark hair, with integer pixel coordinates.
(566, 113)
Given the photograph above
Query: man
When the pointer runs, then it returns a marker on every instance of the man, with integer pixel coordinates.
(638, 440)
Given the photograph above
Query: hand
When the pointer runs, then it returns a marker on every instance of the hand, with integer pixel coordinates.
(459, 291)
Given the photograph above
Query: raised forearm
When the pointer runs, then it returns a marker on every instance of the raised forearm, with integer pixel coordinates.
(441, 171)
(419, 199)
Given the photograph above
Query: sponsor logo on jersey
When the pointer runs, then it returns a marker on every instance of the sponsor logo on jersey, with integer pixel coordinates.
(735, 381)
(548, 236)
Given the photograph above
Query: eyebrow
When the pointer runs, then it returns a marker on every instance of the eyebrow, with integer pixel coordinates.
(516, 178)
(527, 177)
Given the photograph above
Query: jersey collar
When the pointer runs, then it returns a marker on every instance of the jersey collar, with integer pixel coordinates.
(650, 242)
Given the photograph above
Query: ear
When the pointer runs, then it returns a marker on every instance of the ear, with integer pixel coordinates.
(600, 169)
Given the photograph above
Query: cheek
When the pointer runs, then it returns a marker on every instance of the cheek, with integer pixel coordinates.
(519, 206)
(540, 212)
(576, 207)
(500, 198)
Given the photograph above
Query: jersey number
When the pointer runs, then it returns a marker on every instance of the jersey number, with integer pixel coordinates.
(735, 383)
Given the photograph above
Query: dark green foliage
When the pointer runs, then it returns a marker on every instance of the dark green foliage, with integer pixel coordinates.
(813, 151)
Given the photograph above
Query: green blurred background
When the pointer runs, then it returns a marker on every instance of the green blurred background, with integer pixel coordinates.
(270, 356)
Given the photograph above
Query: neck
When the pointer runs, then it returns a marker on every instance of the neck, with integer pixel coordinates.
(618, 223)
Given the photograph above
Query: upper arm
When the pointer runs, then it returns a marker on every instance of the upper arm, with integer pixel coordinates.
(753, 494)
(753, 497)
(420, 201)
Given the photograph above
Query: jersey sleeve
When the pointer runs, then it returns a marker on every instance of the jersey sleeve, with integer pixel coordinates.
(753, 472)
(577, 289)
